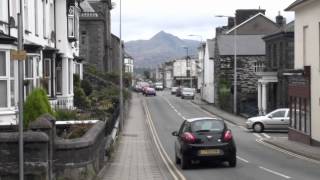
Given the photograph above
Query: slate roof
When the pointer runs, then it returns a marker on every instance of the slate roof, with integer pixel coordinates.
(86, 7)
(294, 4)
(288, 28)
(246, 45)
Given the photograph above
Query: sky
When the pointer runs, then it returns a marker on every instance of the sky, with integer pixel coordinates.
(142, 19)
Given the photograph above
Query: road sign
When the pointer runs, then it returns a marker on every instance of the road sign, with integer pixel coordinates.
(18, 55)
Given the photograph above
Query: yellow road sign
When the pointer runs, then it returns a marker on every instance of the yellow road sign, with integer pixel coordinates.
(18, 55)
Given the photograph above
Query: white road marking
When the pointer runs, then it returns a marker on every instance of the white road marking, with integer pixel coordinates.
(177, 175)
(242, 159)
(266, 135)
(257, 135)
(287, 152)
(243, 128)
(274, 172)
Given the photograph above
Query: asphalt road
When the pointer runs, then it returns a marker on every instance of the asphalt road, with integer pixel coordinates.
(255, 160)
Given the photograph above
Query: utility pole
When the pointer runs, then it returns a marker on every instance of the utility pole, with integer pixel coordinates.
(121, 69)
(235, 89)
(20, 86)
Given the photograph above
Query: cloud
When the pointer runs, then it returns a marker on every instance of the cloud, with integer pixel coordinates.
(143, 18)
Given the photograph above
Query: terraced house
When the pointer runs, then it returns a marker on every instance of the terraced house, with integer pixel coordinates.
(51, 42)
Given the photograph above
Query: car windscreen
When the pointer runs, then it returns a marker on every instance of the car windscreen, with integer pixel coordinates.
(188, 90)
(207, 125)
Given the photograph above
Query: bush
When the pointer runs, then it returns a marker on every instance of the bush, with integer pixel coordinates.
(87, 87)
(65, 114)
(37, 104)
(80, 98)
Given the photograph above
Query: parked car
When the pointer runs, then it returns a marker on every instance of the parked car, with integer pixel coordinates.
(150, 91)
(159, 86)
(174, 90)
(275, 120)
(187, 93)
(204, 139)
(178, 92)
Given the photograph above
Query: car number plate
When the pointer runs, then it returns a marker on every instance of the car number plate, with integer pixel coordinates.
(209, 152)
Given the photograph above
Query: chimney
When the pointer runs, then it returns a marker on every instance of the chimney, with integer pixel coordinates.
(280, 20)
(230, 22)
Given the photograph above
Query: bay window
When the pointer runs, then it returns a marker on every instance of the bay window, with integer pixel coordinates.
(71, 22)
(31, 73)
(6, 81)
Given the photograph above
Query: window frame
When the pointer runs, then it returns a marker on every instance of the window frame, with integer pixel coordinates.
(7, 78)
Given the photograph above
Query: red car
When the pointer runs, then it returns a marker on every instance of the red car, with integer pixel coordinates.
(149, 91)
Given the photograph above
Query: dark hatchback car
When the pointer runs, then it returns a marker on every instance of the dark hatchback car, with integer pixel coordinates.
(204, 139)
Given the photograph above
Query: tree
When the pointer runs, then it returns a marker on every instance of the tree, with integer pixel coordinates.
(146, 74)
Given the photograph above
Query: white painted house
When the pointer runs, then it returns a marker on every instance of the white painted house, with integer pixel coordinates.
(208, 72)
(185, 72)
(307, 56)
(51, 43)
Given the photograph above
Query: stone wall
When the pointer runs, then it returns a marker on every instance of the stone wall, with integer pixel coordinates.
(92, 43)
(36, 157)
(73, 159)
(247, 78)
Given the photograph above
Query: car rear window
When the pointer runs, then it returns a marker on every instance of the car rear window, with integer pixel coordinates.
(207, 125)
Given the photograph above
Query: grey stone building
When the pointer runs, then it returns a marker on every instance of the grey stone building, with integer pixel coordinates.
(95, 33)
(279, 58)
(252, 26)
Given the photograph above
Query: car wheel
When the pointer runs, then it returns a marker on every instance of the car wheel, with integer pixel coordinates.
(182, 97)
(184, 162)
(177, 160)
(258, 127)
(233, 161)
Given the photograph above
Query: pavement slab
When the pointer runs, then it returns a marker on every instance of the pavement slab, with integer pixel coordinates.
(134, 158)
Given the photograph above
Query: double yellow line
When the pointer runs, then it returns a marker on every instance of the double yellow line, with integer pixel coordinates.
(174, 171)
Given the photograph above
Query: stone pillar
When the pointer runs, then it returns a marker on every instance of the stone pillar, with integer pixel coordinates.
(259, 98)
(264, 98)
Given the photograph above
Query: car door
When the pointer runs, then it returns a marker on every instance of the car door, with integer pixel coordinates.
(277, 119)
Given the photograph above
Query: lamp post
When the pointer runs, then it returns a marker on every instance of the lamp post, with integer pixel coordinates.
(121, 68)
(188, 61)
(203, 53)
(234, 63)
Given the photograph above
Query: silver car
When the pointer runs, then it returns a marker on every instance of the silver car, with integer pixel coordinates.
(187, 93)
(275, 120)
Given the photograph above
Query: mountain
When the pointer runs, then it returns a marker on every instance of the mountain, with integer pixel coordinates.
(160, 48)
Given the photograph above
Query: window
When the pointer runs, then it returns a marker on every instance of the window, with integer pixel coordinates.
(278, 114)
(71, 22)
(46, 74)
(59, 76)
(305, 41)
(4, 12)
(258, 66)
(44, 12)
(3, 80)
(29, 77)
(36, 23)
(26, 15)
(274, 56)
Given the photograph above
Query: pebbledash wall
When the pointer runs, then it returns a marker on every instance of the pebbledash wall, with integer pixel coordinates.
(75, 159)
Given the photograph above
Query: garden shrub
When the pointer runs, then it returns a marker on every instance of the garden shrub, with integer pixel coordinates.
(36, 104)
(66, 114)
(87, 87)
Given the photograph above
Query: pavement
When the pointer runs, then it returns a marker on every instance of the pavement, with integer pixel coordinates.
(134, 157)
(284, 143)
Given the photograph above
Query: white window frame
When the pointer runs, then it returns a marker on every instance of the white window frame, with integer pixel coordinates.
(35, 77)
(258, 66)
(7, 78)
(26, 15)
(36, 18)
(47, 60)
(71, 17)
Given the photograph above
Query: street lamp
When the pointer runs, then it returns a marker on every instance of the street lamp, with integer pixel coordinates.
(121, 68)
(234, 63)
